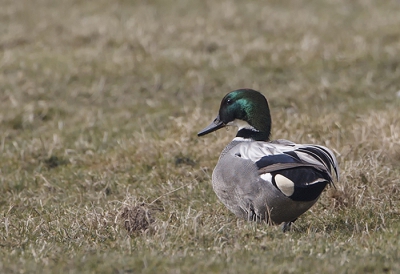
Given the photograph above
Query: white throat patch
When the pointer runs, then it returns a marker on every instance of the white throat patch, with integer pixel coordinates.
(241, 124)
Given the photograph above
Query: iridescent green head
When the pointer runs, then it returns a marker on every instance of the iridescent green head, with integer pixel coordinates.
(248, 110)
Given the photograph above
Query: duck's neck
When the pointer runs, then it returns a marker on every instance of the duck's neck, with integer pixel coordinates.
(247, 131)
(253, 134)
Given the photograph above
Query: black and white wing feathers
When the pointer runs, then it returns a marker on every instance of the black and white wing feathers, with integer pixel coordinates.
(300, 172)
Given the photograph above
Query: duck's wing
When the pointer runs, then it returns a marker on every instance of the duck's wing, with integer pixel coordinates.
(300, 172)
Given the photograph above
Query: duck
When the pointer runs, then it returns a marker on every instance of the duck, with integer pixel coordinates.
(262, 180)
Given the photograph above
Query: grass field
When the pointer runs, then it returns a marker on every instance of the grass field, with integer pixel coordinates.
(100, 103)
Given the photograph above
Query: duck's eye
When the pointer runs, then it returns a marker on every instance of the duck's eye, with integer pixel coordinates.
(228, 101)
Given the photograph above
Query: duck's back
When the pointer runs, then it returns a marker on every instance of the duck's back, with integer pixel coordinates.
(273, 181)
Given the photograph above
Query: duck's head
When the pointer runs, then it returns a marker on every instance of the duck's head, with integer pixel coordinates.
(248, 110)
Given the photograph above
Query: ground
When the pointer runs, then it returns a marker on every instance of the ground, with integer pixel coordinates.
(100, 102)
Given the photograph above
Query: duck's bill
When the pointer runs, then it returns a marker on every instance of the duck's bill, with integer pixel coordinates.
(215, 125)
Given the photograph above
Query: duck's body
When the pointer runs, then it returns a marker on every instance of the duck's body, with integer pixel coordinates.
(258, 179)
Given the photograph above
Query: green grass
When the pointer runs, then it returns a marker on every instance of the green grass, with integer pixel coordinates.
(100, 103)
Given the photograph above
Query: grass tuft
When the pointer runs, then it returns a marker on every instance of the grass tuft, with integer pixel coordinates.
(137, 218)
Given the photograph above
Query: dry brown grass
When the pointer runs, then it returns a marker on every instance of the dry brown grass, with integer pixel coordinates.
(101, 102)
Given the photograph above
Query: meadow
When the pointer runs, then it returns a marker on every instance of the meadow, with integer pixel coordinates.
(101, 169)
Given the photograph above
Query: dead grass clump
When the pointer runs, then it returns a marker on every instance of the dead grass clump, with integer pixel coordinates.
(379, 131)
(340, 198)
(54, 161)
(137, 218)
